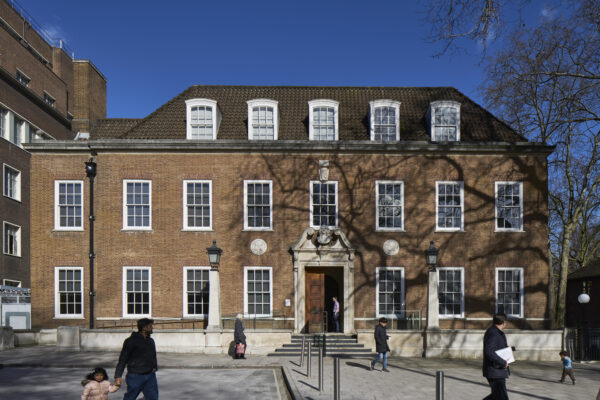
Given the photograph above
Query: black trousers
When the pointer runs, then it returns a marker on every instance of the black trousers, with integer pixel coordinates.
(498, 387)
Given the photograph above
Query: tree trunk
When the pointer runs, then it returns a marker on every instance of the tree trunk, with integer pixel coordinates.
(562, 283)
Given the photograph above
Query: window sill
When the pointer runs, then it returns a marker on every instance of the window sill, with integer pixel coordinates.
(68, 317)
(509, 231)
(451, 317)
(389, 230)
(12, 255)
(197, 230)
(257, 230)
(129, 230)
(68, 230)
(13, 199)
(449, 230)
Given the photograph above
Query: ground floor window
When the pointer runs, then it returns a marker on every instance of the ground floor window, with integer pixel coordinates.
(196, 292)
(451, 292)
(136, 291)
(390, 291)
(509, 291)
(258, 295)
(68, 292)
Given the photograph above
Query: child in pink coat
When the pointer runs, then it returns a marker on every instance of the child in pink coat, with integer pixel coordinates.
(96, 385)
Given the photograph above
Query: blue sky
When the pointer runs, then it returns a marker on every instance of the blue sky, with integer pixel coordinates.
(150, 51)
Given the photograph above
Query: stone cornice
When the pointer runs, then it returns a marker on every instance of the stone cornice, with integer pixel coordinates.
(286, 146)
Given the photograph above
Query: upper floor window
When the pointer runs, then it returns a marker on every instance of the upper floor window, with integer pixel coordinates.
(203, 118)
(48, 99)
(12, 239)
(449, 206)
(509, 206)
(197, 203)
(23, 79)
(323, 120)
(390, 205)
(445, 121)
(12, 183)
(137, 204)
(16, 131)
(68, 205)
(258, 209)
(323, 204)
(385, 120)
(263, 119)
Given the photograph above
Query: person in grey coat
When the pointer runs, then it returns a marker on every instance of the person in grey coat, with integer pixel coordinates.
(381, 345)
(238, 335)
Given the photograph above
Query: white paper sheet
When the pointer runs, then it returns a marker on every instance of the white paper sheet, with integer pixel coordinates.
(506, 354)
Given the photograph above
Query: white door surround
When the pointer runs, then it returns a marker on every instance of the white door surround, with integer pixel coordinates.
(323, 248)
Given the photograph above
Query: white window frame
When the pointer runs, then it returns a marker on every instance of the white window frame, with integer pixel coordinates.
(17, 196)
(462, 207)
(57, 226)
(323, 103)
(49, 96)
(216, 115)
(521, 285)
(433, 107)
(252, 228)
(521, 195)
(125, 215)
(263, 103)
(24, 75)
(57, 313)
(384, 103)
(402, 285)
(185, 292)
(246, 269)
(6, 281)
(124, 290)
(462, 292)
(337, 201)
(18, 237)
(186, 227)
(385, 229)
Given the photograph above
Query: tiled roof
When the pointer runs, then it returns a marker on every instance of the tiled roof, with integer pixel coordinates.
(112, 128)
(169, 121)
(591, 270)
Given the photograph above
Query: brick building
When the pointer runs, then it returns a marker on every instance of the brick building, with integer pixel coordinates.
(45, 94)
(311, 192)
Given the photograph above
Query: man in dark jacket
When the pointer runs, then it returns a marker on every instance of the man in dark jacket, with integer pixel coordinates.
(139, 354)
(381, 345)
(495, 369)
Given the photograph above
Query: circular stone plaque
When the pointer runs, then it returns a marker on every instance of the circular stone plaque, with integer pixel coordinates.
(259, 246)
(391, 247)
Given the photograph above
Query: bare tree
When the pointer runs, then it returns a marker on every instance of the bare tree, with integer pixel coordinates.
(545, 82)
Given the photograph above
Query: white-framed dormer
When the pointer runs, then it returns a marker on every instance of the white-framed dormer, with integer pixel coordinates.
(202, 119)
(263, 119)
(385, 120)
(323, 119)
(444, 121)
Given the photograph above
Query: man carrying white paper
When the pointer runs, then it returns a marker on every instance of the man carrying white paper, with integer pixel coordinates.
(495, 368)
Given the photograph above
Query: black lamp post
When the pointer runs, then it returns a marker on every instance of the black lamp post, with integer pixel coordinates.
(584, 299)
(214, 255)
(90, 170)
(432, 256)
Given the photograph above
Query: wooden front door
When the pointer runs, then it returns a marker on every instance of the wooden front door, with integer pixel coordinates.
(315, 300)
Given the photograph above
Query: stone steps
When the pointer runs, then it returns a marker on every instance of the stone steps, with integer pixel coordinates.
(336, 345)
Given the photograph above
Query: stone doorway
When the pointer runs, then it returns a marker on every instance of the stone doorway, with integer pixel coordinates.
(323, 268)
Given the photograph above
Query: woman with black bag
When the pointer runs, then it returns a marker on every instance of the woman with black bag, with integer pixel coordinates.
(240, 337)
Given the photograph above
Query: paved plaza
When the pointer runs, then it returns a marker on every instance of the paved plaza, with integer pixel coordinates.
(47, 373)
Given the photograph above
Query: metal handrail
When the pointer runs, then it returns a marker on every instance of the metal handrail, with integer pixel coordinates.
(277, 320)
(132, 324)
(407, 320)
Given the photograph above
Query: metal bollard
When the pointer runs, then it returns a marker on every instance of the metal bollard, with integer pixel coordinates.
(308, 372)
(321, 369)
(302, 352)
(324, 344)
(439, 385)
(336, 378)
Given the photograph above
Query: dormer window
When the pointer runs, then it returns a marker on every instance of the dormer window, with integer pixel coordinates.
(445, 121)
(263, 119)
(323, 120)
(203, 118)
(385, 120)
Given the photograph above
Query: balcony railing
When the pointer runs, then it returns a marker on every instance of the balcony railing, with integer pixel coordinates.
(409, 320)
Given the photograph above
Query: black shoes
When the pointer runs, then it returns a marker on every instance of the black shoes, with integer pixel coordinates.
(385, 370)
